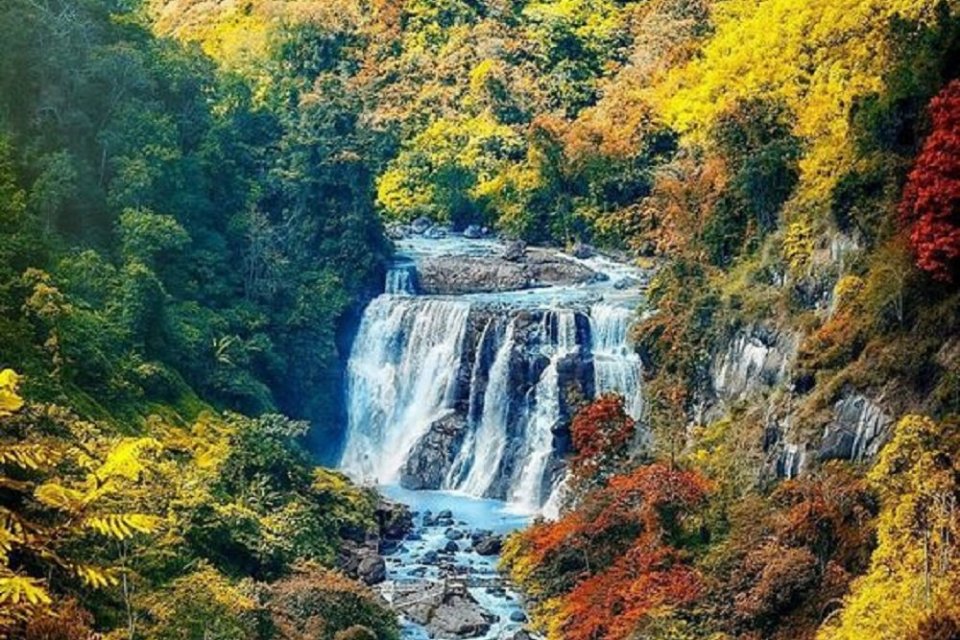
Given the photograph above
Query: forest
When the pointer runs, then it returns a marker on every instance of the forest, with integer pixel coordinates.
(197, 199)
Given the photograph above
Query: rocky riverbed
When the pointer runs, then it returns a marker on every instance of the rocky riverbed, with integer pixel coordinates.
(442, 577)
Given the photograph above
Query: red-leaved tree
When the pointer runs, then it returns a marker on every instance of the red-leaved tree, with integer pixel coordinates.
(601, 434)
(931, 200)
(616, 558)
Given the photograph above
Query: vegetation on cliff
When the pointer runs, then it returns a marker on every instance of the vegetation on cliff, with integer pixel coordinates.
(191, 197)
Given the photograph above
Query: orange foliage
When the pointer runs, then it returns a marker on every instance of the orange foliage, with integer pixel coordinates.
(614, 604)
(601, 434)
(617, 556)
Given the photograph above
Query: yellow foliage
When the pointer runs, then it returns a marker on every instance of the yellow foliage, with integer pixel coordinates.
(122, 525)
(915, 569)
(818, 57)
(20, 589)
(798, 246)
(10, 402)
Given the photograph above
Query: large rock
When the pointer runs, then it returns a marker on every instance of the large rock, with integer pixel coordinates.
(859, 429)
(372, 569)
(488, 545)
(421, 225)
(457, 275)
(394, 519)
(473, 232)
(754, 359)
(447, 609)
(431, 458)
(362, 562)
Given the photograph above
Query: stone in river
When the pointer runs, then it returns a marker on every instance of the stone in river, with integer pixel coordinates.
(446, 610)
(488, 545)
(421, 225)
(473, 232)
(372, 570)
(451, 547)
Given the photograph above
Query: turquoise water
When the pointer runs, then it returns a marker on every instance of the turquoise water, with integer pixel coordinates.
(469, 514)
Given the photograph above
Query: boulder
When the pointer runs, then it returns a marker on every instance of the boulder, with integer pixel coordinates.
(433, 455)
(372, 570)
(421, 225)
(583, 251)
(515, 250)
(435, 233)
(518, 616)
(451, 547)
(488, 545)
(394, 519)
(446, 610)
(454, 534)
(473, 232)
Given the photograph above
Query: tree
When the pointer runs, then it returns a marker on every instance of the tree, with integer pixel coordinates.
(602, 433)
(930, 208)
(605, 566)
(914, 572)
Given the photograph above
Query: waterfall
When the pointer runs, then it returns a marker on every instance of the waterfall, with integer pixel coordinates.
(469, 392)
(402, 375)
(616, 366)
(560, 328)
(401, 280)
(490, 437)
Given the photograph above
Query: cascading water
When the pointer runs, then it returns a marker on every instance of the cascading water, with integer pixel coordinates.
(470, 392)
(616, 366)
(489, 439)
(401, 377)
(560, 327)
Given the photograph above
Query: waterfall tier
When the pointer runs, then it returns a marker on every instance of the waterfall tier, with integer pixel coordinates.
(474, 393)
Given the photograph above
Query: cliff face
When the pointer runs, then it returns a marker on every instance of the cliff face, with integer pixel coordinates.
(466, 373)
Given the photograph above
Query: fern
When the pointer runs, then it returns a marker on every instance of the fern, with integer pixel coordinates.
(22, 590)
(59, 497)
(122, 526)
(125, 458)
(29, 456)
(95, 577)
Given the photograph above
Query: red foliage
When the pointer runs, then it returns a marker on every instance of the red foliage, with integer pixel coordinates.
(601, 434)
(931, 200)
(613, 604)
(616, 557)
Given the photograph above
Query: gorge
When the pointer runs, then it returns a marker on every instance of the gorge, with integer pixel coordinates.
(462, 380)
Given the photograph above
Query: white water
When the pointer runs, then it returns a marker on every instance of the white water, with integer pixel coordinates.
(489, 439)
(527, 495)
(401, 377)
(617, 368)
(410, 350)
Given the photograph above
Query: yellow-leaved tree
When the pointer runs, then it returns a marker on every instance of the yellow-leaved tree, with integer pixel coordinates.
(69, 488)
(911, 588)
(817, 57)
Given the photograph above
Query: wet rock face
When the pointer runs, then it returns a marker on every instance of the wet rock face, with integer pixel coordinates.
(514, 271)
(433, 456)
(755, 359)
(434, 459)
(858, 431)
